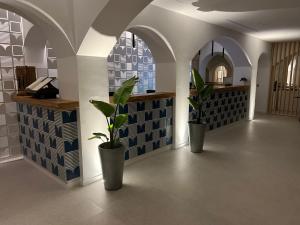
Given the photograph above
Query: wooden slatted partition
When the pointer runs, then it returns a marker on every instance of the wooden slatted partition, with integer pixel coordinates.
(285, 79)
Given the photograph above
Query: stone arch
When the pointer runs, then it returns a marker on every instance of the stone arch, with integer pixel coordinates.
(103, 33)
(238, 54)
(51, 29)
(163, 55)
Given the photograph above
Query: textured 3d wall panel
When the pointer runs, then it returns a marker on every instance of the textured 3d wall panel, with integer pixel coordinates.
(50, 139)
(149, 127)
(126, 61)
(11, 55)
(223, 108)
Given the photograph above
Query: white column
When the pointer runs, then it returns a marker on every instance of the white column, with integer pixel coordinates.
(80, 78)
(252, 92)
(68, 78)
(92, 82)
(182, 105)
(166, 77)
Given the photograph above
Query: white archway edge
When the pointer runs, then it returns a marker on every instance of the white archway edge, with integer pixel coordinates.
(96, 44)
(156, 32)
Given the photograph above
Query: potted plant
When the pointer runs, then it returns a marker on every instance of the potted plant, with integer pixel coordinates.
(197, 127)
(112, 150)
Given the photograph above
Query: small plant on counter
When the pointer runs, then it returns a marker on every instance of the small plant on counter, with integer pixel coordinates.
(112, 150)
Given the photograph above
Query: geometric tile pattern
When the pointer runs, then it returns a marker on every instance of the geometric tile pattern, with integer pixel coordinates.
(149, 126)
(124, 62)
(223, 108)
(11, 55)
(50, 138)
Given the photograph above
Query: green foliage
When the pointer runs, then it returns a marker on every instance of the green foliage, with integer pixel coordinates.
(193, 103)
(122, 95)
(99, 136)
(114, 120)
(203, 91)
(106, 108)
(120, 120)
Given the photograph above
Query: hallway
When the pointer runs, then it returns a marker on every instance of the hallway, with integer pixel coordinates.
(248, 175)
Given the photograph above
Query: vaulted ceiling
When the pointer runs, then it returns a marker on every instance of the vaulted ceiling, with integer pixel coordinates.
(269, 20)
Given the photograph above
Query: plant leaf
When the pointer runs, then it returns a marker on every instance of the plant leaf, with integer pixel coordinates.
(122, 95)
(106, 108)
(120, 120)
(99, 136)
(110, 127)
(198, 81)
(206, 92)
(193, 103)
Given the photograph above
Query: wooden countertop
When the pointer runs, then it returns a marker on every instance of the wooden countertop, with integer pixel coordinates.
(220, 88)
(150, 96)
(60, 104)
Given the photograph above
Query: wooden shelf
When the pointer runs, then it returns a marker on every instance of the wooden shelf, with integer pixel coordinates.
(150, 96)
(221, 88)
(59, 104)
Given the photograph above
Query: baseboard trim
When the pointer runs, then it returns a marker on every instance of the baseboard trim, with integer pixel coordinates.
(91, 180)
(70, 184)
(128, 163)
(11, 159)
(148, 155)
(182, 145)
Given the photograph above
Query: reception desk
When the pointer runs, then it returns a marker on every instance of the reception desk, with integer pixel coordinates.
(49, 135)
(150, 123)
(227, 104)
(49, 130)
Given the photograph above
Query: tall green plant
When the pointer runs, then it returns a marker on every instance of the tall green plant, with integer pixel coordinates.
(110, 110)
(203, 91)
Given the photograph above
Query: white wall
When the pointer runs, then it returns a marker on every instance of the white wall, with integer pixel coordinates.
(240, 72)
(165, 77)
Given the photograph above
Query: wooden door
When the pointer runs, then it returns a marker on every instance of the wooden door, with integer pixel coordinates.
(285, 79)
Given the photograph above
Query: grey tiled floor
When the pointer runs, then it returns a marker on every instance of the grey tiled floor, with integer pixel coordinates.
(249, 175)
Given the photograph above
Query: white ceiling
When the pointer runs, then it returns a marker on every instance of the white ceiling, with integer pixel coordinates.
(269, 20)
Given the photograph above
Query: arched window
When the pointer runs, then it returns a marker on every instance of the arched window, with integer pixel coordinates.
(291, 72)
(131, 57)
(220, 73)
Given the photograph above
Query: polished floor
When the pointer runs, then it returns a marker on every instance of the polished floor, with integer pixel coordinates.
(249, 175)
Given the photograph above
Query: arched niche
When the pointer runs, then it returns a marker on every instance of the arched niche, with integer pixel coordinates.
(34, 46)
(233, 53)
(216, 62)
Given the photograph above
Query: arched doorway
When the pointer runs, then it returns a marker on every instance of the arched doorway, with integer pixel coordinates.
(224, 65)
(263, 83)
